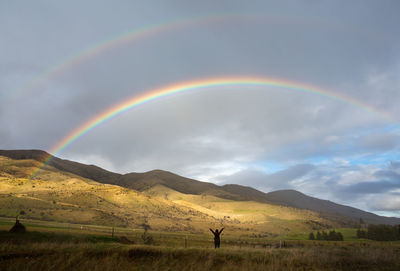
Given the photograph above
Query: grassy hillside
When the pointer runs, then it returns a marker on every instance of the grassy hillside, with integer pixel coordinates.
(87, 171)
(262, 217)
(65, 197)
(345, 215)
(60, 196)
(138, 181)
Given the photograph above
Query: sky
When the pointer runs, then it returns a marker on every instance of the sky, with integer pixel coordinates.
(63, 63)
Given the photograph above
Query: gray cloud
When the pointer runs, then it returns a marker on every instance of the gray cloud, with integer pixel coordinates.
(351, 49)
(389, 202)
(278, 180)
(394, 165)
(372, 187)
(388, 175)
(380, 142)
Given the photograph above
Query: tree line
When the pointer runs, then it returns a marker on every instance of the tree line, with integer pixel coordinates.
(380, 233)
(328, 236)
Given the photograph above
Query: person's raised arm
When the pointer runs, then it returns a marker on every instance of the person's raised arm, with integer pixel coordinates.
(212, 231)
(221, 230)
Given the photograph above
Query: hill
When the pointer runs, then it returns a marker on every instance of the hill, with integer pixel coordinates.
(297, 199)
(140, 181)
(145, 181)
(61, 196)
(56, 195)
(87, 171)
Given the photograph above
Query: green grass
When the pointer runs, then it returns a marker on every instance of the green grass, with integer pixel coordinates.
(38, 237)
(349, 234)
(174, 238)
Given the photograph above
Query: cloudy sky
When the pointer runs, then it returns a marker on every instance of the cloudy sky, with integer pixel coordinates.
(63, 63)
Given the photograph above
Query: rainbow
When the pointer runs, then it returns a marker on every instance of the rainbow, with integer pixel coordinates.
(152, 30)
(121, 39)
(198, 85)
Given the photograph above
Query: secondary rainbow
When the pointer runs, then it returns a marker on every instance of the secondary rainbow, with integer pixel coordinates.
(141, 33)
(197, 85)
(118, 40)
(124, 38)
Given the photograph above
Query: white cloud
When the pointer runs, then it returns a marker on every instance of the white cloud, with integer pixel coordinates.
(388, 202)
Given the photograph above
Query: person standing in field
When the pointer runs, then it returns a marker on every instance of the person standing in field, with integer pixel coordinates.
(217, 240)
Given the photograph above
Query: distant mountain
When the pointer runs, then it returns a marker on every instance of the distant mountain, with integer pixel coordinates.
(144, 181)
(297, 199)
(147, 180)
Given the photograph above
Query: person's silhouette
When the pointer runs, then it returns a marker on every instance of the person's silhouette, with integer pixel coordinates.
(217, 240)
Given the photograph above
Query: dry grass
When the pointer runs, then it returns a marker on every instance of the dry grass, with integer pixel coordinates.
(55, 250)
(106, 256)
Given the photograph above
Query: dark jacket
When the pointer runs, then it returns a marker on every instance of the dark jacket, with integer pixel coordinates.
(216, 234)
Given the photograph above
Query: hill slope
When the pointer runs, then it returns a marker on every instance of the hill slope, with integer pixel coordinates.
(140, 181)
(65, 197)
(297, 199)
(147, 180)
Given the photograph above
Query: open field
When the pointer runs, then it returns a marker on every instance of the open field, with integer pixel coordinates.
(176, 238)
(68, 247)
(163, 238)
(105, 254)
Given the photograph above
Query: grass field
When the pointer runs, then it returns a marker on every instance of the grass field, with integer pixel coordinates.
(68, 247)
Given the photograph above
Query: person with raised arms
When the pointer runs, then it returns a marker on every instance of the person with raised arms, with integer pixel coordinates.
(217, 240)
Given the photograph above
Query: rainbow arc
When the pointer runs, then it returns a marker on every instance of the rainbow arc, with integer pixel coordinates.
(198, 85)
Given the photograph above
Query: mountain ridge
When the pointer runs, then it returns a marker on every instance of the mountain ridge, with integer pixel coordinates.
(55, 195)
(146, 180)
(297, 199)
